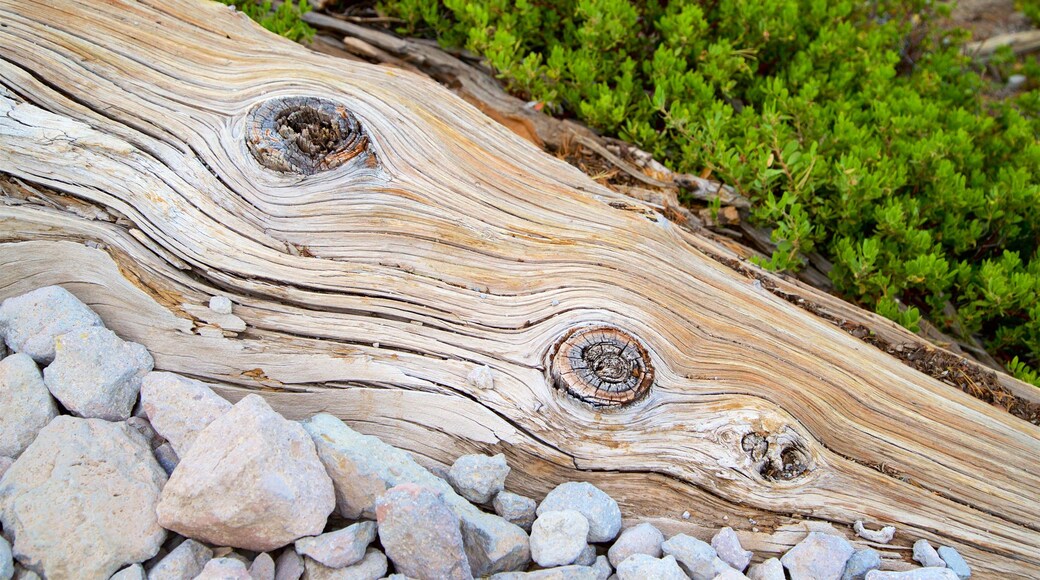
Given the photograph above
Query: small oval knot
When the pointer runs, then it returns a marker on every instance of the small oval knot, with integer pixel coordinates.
(602, 366)
(303, 135)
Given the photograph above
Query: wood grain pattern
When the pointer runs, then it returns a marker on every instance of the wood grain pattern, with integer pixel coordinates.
(376, 289)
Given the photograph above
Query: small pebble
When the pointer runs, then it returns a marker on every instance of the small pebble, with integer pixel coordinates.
(643, 567)
(224, 569)
(5, 462)
(479, 478)
(587, 557)
(185, 561)
(882, 536)
(515, 509)
(220, 304)
(262, 567)
(1015, 82)
(340, 548)
(727, 546)
(641, 539)
(288, 566)
(134, 572)
(698, 559)
(916, 574)
(926, 555)
(818, 557)
(166, 457)
(29, 323)
(558, 537)
(6, 560)
(955, 562)
(482, 377)
(601, 511)
(372, 567)
(686, 515)
(860, 563)
(771, 569)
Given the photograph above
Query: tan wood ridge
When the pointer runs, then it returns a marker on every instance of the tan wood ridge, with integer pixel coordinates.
(400, 260)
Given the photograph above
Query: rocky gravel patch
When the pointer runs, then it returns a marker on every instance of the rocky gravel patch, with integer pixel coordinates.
(193, 487)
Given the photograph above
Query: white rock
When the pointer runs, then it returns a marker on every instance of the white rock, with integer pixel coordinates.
(288, 566)
(340, 548)
(643, 567)
(727, 546)
(603, 568)
(220, 304)
(96, 374)
(481, 377)
(926, 555)
(915, 574)
(80, 501)
(599, 509)
(185, 561)
(179, 408)
(26, 405)
(224, 569)
(771, 569)
(479, 478)
(29, 323)
(6, 560)
(558, 538)
(252, 480)
(135, 572)
(5, 462)
(818, 557)
(641, 539)
(730, 574)
(882, 536)
(698, 559)
(372, 567)
(262, 567)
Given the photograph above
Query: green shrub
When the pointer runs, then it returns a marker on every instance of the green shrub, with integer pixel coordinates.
(857, 129)
(284, 20)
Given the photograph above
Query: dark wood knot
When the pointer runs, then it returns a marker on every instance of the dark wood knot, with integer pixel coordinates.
(602, 366)
(303, 135)
(780, 457)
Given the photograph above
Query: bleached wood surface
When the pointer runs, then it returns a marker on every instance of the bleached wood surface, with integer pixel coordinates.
(375, 290)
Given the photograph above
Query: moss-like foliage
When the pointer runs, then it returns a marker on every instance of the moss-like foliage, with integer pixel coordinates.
(857, 128)
(285, 20)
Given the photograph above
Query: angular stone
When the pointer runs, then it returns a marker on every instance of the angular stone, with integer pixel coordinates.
(698, 559)
(288, 566)
(955, 562)
(771, 569)
(26, 405)
(364, 467)
(641, 539)
(599, 509)
(603, 568)
(143, 426)
(730, 574)
(166, 457)
(220, 304)
(926, 555)
(372, 567)
(516, 509)
(818, 557)
(479, 478)
(558, 538)
(727, 546)
(340, 548)
(916, 574)
(252, 480)
(185, 561)
(5, 463)
(179, 408)
(29, 323)
(96, 374)
(421, 534)
(78, 483)
(135, 572)
(262, 567)
(642, 567)
(587, 557)
(224, 569)
(860, 563)
(6, 560)
(560, 573)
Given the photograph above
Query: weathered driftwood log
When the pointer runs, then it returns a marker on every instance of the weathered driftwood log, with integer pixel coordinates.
(400, 260)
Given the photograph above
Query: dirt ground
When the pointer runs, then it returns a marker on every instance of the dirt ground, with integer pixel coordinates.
(986, 18)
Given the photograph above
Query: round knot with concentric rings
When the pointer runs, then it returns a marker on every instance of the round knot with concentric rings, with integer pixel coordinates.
(303, 135)
(602, 366)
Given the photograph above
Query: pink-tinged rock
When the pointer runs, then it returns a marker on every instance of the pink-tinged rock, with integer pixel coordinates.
(262, 567)
(771, 569)
(224, 569)
(727, 546)
(26, 405)
(421, 534)
(96, 374)
(340, 548)
(251, 480)
(80, 501)
(288, 566)
(29, 323)
(179, 408)
(818, 557)
(185, 561)
(372, 567)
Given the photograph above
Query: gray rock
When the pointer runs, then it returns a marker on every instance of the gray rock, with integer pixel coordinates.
(185, 561)
(730, 574)
(818, 557)
(599, 509)
(479, 478)
(558, 538)
(224, 569)
(363, 468)
(860, 563)
(882, 536)
(340, 548)
(5, 463)
(262, 567)
(421, 534)
(220, 304)
(135, 572)
(288, 566)
(955, 562)
(587, 557)
(727, 546)
(771, 569)
(252, 480)
(559, 573)
(6, 560)
(516, 509)
(372, 567)
(29, 323)
(95, 374)
(926, 555)
(698, 559)
(144, 427)
(641, 539)
(642, 567)
(603, 568)
(166, 457)
(23, 574)
(916, 574)
(179, 408)
(26, 405)
(77, 483)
